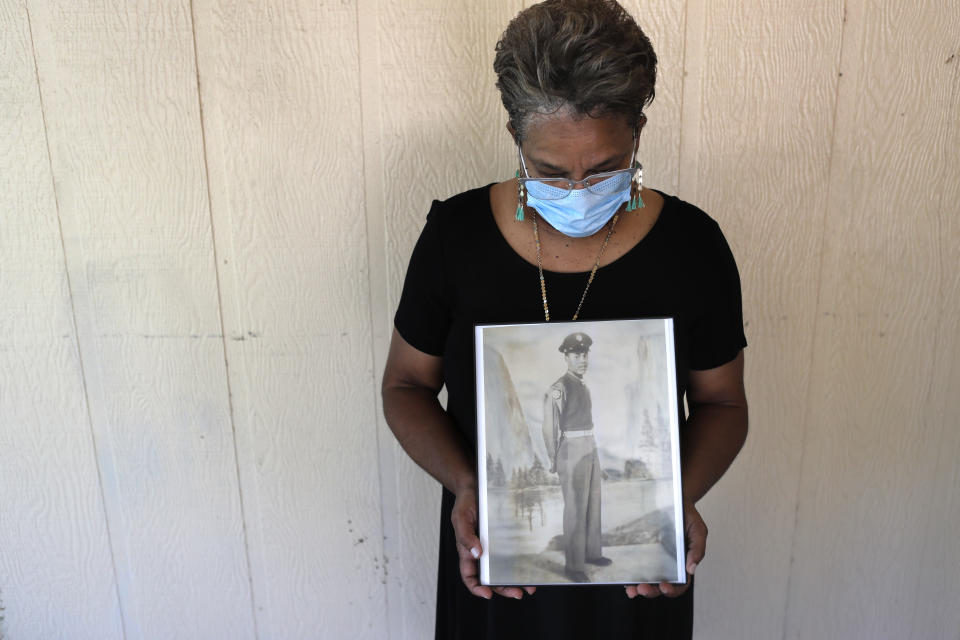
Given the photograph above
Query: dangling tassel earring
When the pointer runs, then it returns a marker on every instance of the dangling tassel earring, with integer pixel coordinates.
(636, 202)
(521, 197)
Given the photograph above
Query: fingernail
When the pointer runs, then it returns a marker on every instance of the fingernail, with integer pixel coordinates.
(475, 552)
(692, 568)
(518, 597)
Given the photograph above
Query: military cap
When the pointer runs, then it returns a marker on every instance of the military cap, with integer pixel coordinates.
(576, 343)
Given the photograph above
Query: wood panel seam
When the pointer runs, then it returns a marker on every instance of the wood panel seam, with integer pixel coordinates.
(816, 322)
(223, 330)
(368, 59)
(688, 168)
(937, 350)
(76, 332)
(683, 86)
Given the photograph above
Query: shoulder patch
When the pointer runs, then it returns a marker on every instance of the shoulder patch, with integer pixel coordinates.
(556, 394)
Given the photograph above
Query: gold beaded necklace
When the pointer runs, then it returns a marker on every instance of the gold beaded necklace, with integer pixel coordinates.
(593, 272)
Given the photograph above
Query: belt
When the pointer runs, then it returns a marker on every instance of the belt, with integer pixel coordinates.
(578, 433)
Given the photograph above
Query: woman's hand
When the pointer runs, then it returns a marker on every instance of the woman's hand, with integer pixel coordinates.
(695, 533)
(464, 520)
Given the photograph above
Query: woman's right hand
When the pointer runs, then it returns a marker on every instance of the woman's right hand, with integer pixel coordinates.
(464, 519)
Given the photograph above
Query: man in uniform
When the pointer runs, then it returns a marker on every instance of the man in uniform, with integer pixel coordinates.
(568, 435)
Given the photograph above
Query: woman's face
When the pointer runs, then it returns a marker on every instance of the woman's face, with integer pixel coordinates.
(561, 146)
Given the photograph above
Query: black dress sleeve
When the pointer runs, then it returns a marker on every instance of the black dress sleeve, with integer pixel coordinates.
(717, 332)
(423, 316)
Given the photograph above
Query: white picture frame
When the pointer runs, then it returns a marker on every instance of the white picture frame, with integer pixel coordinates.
(624, 399)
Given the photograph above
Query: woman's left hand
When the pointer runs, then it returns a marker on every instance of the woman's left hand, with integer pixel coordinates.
(695, 532)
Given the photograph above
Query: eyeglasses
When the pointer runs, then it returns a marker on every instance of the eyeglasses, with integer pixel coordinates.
(598, 184)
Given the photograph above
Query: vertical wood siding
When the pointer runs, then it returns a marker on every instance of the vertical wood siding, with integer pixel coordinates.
(118, 83)
(206, 211)
(762, 169)
(279, 85)
(56, 569)
(875, 487)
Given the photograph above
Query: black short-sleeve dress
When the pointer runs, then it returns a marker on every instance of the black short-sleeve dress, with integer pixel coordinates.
(463, 272)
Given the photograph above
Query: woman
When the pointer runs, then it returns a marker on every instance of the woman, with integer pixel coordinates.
(560, 242)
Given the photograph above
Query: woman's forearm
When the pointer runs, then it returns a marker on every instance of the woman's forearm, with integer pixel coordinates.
(428, 435)
(711, 439)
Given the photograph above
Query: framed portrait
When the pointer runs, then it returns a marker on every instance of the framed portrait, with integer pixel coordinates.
(578, 453)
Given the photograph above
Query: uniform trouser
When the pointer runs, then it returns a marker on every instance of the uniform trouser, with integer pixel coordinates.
(579, 469)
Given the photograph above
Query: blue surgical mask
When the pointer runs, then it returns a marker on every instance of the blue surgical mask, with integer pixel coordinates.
(582, 212)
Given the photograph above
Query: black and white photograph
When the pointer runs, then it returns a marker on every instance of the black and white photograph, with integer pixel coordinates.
(578, 453)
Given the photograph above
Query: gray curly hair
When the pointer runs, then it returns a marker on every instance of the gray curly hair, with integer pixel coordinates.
(587, 57)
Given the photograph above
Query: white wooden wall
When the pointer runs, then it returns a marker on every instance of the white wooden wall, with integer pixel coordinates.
(206, 209)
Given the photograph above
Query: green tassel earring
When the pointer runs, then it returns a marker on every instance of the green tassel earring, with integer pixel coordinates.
(521, 199)
(636, 202)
